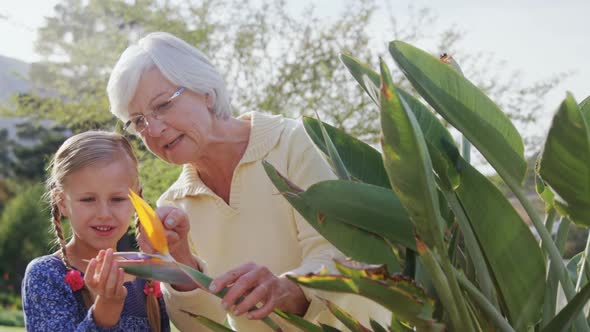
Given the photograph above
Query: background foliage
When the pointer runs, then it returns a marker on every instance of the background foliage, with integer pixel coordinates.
(273, 61)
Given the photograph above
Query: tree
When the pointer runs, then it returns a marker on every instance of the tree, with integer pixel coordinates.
(24, 231)
(273, 60)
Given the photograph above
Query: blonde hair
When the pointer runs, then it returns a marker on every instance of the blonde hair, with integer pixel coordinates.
(77, 152)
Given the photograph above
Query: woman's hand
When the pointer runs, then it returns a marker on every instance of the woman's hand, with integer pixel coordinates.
(257, 284)
(177, 225)
(105, 279)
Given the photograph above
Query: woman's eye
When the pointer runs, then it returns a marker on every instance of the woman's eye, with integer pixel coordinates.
(138, 120)
(163, 105)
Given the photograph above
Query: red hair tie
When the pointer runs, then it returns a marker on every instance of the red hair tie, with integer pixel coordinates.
(74, 279)
(152, 288)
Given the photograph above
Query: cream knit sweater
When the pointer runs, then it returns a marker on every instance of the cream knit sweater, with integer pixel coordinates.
(258, 226)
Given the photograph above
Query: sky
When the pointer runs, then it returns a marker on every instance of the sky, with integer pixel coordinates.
(537, 37)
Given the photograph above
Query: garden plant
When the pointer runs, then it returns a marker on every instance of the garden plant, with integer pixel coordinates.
(430, 237)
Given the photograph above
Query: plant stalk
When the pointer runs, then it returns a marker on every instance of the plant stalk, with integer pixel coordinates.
(481, 269)
(487, 308)
(556, 265)
(584, 262)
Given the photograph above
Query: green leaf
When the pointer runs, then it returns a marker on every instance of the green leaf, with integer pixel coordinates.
(334, 158)
(441, 144)
(573, 267)
(360, 159)
(153, 269)
(352, 323)
(212, 325)
(585, 107)
(408, 164)
(298, 322)
(371, 208)
(328, 328)
(566, 316)
(512, 253)
(170, 272)
(565, 162)
(401, 296)
(464, 106)
(352, 241)
(368, 79)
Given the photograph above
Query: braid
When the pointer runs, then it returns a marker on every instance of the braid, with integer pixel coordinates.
(152, 304)
(153, 310)
(56, 221)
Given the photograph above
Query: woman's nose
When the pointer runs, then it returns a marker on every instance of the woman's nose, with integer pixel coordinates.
(155, 127)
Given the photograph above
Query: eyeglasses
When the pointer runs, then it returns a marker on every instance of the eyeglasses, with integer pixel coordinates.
(139, 123)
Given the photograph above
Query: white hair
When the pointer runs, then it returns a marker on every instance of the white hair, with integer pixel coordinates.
(181, 64)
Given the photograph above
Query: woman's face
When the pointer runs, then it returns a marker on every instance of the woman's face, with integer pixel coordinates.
(182, 133)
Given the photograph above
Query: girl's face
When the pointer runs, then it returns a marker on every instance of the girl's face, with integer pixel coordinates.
(95, 201)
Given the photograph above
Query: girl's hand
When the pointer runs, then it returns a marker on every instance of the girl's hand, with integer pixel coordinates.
(105, 279)
(257, 284)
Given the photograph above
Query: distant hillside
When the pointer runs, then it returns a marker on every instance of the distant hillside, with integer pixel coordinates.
(13, 77)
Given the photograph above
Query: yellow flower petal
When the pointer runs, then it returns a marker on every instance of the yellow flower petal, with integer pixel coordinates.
(152, 226)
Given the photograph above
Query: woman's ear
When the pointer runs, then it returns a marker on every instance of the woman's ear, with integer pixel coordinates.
(210, 100)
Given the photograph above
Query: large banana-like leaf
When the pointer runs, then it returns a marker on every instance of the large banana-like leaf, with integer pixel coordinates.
(409, 168)
(352, 241)
(464, 106)
(511, 252)
(565, 162)
(360, 159)
(401, 296)
(439, 141)
(372, 208)
(408, 164)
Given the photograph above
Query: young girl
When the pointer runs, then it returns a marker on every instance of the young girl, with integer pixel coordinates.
(90, 178)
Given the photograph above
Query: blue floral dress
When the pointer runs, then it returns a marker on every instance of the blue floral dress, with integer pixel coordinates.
(49, 304)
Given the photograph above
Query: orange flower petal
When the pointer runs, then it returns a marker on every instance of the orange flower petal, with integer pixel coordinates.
(152, 226)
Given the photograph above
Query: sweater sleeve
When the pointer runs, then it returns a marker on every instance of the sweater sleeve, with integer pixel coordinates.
(49, 303)
(310, 167)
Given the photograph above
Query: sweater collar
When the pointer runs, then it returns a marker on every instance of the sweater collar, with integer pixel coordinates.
(264, 135)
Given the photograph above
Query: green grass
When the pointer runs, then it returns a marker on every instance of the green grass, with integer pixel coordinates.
(11, 329)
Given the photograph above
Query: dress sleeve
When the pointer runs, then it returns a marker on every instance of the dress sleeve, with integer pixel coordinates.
(308, 166)
(49, 303)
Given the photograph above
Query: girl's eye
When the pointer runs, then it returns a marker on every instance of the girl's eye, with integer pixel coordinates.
(119, 199)
(87, 199)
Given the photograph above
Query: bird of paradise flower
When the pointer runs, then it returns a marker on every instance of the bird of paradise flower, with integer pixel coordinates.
(163, 267)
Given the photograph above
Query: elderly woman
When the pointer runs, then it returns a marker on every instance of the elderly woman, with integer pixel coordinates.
(241, 230)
